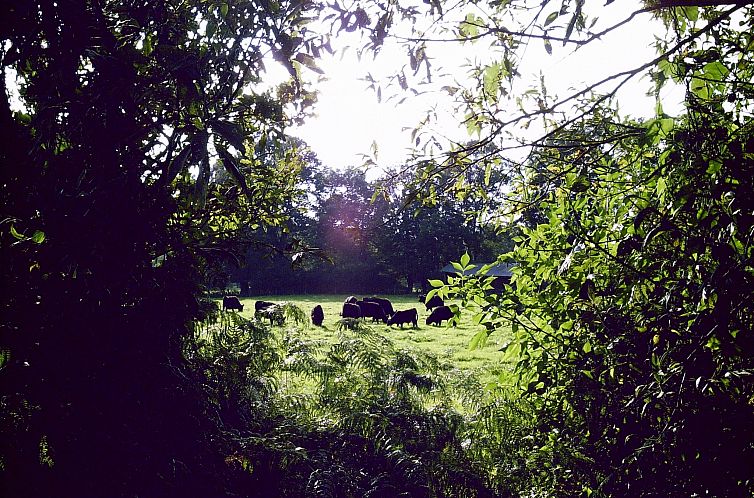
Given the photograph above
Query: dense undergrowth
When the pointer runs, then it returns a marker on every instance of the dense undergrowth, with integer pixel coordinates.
(359, 417)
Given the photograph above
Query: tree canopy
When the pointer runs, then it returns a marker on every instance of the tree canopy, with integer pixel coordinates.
(138, 146)
(630, 298)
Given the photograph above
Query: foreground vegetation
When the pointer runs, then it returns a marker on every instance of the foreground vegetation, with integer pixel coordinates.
(355, 415)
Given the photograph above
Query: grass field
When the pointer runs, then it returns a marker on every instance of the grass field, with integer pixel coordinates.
(451, 344)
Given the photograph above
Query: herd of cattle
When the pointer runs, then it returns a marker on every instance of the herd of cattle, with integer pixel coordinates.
(376, 308)
(380, 309)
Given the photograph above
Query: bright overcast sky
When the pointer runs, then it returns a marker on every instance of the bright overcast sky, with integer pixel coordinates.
(349, 118)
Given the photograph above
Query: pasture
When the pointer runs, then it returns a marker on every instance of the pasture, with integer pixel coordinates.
(450, 344)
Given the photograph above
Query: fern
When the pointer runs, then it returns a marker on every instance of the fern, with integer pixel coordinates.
(294, 313)
(359, 417)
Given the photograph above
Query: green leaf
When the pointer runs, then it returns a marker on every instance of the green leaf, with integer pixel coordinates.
(715, 71)
(571, 25)
(4, 357)
(175, 166)
(714, 167)
(211, 28)
(16, 234)
(661, 186)
(479, 340)
(465, 260)
(309, 62)
(666, 126)
(468, 27)
(698, 87)
(491, 81)
(229, 163)
(436, 283)
(38, 237)
(231, 132)
(432, 293)
(551, 18)
(691, 13)
(147, 47)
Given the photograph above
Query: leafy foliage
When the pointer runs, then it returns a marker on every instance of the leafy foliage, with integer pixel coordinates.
(137, 150)
(627, 328)
(355, 418)
(631, 298)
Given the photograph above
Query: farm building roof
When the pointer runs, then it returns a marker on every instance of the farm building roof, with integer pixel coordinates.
(498, 270)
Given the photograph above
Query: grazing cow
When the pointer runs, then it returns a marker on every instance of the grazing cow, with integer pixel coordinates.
(439, 314)
(351, 310)
(261, 305)
(434, 302)
(351, 300)
(405, 316)
(273, 313)
(372, 310)
(385, 304)
(318, 316)
(232, 303)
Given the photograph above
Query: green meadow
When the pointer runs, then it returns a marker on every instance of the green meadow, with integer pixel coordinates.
(450, 344)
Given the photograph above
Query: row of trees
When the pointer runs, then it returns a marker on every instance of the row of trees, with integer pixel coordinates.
(342, 238)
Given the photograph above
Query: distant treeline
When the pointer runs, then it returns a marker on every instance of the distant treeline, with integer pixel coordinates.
(340, 241)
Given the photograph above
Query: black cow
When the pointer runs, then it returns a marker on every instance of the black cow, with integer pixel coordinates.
(372, 310)
(351, 300)
(318, 316)
(439, 314)
(262, 305)
(385, 304)
(273, 313)
(405, 316)
(434, 302)
(232, 303)
(351, 310)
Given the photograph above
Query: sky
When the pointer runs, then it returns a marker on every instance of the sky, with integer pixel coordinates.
(349, 117)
